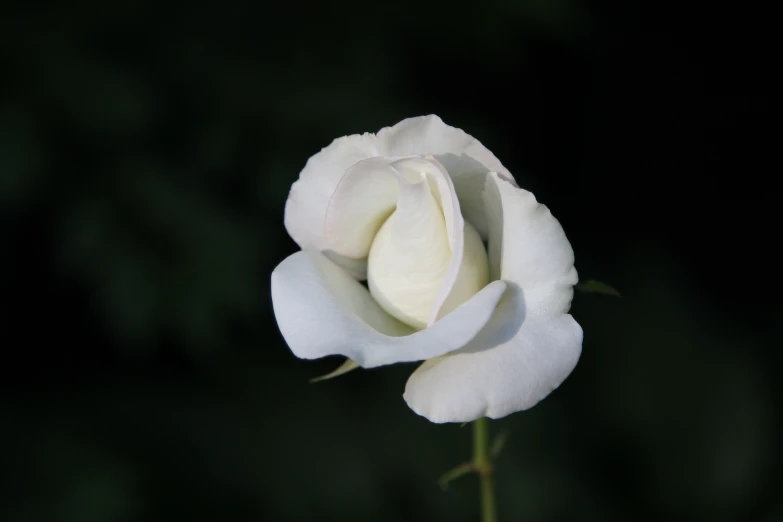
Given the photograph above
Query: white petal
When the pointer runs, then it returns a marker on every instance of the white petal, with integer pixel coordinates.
(429, 135)
(322, 311)
(463, 276)
(362, 201)
(509, 366)
(309, 197)
(472, 274)
(357, 268)
(411, 259)
(469, 177)
(417, 263)
(527, 246)
(369, 192)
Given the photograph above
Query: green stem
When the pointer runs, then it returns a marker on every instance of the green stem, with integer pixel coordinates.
(483, 466)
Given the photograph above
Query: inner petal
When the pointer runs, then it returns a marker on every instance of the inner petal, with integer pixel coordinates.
(411, 254)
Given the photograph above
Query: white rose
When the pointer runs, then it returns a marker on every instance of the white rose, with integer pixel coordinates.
(409, 209)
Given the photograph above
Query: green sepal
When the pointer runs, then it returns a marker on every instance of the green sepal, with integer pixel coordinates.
(344, 368)
(592, 286)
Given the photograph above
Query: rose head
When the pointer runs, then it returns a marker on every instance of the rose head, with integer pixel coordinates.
(409, 210)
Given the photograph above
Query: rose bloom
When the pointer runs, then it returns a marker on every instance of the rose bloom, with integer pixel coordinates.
(464, 270)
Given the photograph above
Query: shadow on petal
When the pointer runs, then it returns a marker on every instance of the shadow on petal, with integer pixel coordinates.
(504, 324)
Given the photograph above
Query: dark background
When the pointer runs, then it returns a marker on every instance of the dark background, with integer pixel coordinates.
(145, 158)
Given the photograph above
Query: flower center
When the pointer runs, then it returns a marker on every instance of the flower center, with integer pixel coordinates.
(410, 256)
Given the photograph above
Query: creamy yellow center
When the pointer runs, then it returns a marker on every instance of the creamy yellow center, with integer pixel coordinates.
(410, 256)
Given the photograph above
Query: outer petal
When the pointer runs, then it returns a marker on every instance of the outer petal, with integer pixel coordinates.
(469, 177)
(527, 246)
(429, 135)
(509, 366)
(309, 196)
(322, 311)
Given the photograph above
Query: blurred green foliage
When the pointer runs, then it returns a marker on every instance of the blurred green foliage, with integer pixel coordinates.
(146, 153)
